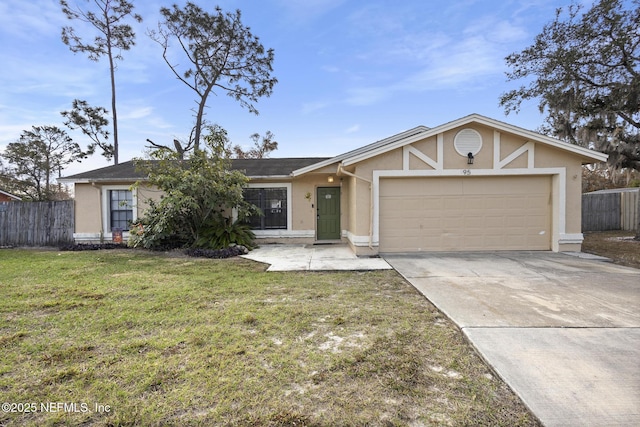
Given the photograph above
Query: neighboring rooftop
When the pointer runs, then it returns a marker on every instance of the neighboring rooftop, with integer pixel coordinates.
(615, 190)
(9, 195)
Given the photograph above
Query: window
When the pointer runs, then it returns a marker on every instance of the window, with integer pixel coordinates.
(120, 209)
(273, 204)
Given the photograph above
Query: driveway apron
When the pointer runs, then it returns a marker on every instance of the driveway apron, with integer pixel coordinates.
(562, 331)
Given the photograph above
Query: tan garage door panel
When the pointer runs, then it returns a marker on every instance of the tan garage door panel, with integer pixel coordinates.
(471, 213)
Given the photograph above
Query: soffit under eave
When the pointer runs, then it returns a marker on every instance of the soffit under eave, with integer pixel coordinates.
(591, 160)
(331, 168)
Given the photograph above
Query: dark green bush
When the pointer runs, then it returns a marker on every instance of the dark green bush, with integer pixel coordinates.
(225, 232)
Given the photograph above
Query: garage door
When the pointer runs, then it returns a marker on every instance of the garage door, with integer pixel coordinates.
(465, 214)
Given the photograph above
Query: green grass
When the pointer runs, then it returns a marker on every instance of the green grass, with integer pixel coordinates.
(178, 341)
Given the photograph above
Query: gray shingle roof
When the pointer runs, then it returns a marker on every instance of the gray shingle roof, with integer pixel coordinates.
(126, 171)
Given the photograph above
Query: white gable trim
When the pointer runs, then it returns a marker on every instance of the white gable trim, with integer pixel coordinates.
(528, 147)
(437, 164)
(473, 118)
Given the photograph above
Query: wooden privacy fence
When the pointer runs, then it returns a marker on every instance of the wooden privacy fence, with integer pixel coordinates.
(610, 210)
(36, 223)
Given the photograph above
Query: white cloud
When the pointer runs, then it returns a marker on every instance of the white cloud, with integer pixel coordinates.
(28, 20)
(303, 11)
(426, 58)
(495, 30)
(362, 96)
(461, 62)
(331, 69)
(353, 129)
(312, 107)
(135, 113)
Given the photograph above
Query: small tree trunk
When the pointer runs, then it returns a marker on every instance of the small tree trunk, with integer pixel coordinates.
(200, 117)
(113, 97)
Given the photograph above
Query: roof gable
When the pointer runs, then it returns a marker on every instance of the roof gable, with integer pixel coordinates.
(475, 118)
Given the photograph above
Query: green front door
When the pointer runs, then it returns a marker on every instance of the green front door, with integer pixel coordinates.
(328, 213)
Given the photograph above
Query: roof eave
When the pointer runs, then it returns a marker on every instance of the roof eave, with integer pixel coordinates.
(314, 167)
(98, 180)
(269, 176)
(576, 149)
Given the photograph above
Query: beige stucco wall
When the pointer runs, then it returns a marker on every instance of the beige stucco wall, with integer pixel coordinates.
(145, 193)
(550, 157)
(303, 199)
(87, 206)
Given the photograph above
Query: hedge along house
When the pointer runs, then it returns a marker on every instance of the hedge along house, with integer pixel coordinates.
(472, 184)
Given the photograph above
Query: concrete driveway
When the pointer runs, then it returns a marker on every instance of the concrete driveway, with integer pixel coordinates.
(562, 331)
(313, 258)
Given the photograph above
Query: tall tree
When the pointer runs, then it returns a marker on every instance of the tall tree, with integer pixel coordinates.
(261, 148)
(7, 178)
(583, 69)
(221, 52)
(38, 157)
(92, 122)
(114, 36)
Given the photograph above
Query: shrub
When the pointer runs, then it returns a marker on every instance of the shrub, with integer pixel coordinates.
(197, 195)
(225, 232)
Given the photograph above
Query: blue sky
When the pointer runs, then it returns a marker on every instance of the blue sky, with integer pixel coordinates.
(350, 72)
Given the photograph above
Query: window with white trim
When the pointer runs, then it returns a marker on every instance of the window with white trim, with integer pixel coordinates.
(120, 209)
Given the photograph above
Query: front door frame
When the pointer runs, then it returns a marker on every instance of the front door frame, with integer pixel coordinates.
(321, 218)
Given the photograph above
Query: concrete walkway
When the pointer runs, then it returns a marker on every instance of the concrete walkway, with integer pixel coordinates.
(562, 331)
(314, 257)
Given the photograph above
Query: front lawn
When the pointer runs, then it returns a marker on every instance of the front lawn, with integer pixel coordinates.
(128, 337)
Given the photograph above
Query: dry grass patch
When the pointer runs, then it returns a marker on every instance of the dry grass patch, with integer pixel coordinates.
(169, 341)
(619, 246)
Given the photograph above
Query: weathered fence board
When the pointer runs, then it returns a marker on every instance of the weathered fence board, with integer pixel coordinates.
(629, 210)
(36, 223)
(601, 212)
(610, 210)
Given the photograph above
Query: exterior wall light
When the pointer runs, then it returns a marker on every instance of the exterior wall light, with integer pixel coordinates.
(330, 179)
(470, 158)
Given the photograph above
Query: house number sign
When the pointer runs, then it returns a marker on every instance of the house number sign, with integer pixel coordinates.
(466, 171)
(327, 196)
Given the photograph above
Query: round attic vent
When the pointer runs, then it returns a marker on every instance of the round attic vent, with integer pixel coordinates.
(467, 141)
